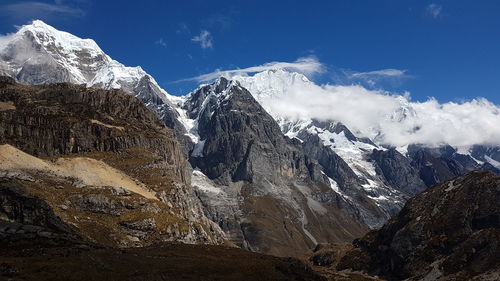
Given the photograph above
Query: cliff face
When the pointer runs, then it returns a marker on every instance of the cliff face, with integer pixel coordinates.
(451, 231)
(257, 183)
(100, 163)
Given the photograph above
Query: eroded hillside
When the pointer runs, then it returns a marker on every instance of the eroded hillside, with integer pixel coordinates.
(98, 163)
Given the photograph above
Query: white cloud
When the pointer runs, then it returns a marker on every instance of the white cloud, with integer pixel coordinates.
(161, 43)
(5, 40)
(380, 73)
(376, 76)
(394, 119)
(182, 29)
(434, 10)
(218, 21)
(33, 9)
(205, 39)
(306, 65)
(373, 78)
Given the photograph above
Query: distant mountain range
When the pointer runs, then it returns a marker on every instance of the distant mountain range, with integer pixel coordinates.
(273, 184)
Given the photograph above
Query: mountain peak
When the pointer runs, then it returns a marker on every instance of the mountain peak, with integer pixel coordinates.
(37, 25)
(272, 83)
(71, 59)
(46, 34)
(40, 24)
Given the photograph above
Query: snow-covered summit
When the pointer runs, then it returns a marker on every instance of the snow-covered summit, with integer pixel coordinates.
(68, 58)
(271, 84)
(46, 35)
(40, 43)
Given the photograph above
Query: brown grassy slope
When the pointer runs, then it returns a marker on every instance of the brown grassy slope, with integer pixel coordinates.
(167, 262)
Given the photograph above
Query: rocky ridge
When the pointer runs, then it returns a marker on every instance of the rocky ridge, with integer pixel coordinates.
(59, 130)
(451, 231)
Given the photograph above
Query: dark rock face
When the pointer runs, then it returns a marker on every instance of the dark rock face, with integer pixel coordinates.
(450, 231)
(397, 171)
(364, 191)
(486, 154)
(337, 169)
(333, 165)
(434, 169)
(17, 205)
(272, 198)
(99, 204)
(242, 140)
(60, 121)
(436, 165)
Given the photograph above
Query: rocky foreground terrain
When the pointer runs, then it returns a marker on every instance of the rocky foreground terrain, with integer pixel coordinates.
(159, 262)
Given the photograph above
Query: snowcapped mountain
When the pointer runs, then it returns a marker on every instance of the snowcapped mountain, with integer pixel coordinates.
(374, 163)
(39, 53)
(40, 44)
(249, 175)
(270, 86)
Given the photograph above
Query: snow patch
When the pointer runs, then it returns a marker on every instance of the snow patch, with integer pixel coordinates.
(492, 161)
(201, 182)
(403, 150)
(198, 149)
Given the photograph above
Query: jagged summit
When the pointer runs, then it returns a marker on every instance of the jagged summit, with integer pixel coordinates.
(64, 39)
(66, 58)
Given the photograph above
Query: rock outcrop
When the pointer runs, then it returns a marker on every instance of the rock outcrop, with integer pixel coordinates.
(451, 231)
(397, 171)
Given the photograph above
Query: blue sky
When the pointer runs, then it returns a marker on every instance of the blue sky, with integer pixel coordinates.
(447, 49)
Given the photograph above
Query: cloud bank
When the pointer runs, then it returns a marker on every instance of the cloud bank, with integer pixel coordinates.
(380, 73)
(5, 40)
(393, 119)
(161, 42)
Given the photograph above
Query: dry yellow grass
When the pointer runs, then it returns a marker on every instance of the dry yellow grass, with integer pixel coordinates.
(4, 106)
(89, 171)
(107, 125)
